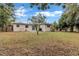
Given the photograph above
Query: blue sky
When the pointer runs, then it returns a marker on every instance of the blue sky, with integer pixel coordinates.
(23, 12)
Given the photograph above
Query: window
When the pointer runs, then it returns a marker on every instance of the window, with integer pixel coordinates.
(17, 25)
(40, 29)
(26, 26)
(33, 27)
(48, 25)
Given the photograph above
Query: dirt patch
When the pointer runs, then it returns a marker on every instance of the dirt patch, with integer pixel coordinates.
(46, 49)
(55, 49)
(15, 51)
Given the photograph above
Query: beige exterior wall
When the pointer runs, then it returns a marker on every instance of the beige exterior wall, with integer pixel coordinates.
(48, 28)
(20, 28)
(45, 28)
(29, 29)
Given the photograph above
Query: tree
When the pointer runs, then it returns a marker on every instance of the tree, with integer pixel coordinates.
(54, 26)
(63, 23)
(6, 15)
(72, 12)
(77, 22)
(37, 21)
(43, 6)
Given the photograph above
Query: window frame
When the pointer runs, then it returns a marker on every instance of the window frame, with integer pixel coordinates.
(17, 25)
(26, 26)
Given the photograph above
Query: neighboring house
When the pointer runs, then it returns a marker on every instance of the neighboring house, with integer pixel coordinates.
(29, 27)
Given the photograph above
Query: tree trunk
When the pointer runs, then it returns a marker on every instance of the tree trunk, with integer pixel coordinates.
(4, 28)
(77, 29)
(71, 28)
(37, 32)
(37, 29)
(66, 29)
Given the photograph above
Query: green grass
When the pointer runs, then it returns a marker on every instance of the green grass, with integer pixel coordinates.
(46, 43)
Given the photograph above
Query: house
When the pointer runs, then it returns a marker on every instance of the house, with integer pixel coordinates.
(17, 27)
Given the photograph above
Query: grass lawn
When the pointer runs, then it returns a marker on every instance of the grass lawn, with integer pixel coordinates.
(46, 43)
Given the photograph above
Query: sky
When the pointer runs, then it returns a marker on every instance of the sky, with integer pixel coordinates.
(23, 12)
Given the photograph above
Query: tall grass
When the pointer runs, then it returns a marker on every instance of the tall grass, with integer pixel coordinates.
(44, 44)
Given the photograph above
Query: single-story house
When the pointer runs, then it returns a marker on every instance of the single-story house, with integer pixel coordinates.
(17, 27)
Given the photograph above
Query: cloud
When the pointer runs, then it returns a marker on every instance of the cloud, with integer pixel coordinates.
(59, 13)
(47, 13)
(21, 11)
(44, 13)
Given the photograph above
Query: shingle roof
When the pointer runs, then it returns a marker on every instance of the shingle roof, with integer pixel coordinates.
(30, 24)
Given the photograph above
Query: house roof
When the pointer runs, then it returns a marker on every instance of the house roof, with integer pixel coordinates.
(30, 24)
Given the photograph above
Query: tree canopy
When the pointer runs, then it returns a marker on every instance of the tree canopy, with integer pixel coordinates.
(6, 14)
(37, 21)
